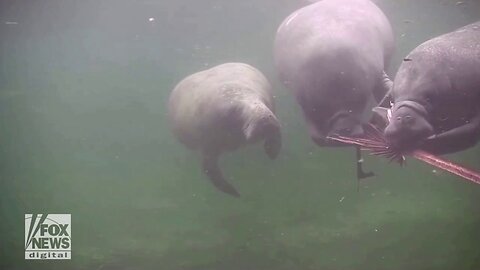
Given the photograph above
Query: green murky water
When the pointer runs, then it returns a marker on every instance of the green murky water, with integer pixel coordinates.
(83, 89)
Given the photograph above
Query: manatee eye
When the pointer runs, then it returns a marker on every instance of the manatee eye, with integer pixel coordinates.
(408, 119)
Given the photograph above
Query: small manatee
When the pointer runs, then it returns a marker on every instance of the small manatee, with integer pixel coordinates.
(221, 109)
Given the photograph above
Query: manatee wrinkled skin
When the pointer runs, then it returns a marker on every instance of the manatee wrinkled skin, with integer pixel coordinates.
(332, 55)
(221, 109)
(436, 94)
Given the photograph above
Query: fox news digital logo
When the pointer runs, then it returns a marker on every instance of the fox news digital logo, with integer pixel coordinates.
(48, 237)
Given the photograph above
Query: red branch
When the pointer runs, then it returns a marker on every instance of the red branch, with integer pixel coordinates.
(448, 166)
(377, 145)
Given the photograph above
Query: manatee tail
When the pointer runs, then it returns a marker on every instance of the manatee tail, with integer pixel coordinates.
(211, 169)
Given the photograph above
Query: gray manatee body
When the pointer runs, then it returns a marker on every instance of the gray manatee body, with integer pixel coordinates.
(436, 94)
(222, 109)
(332, 55)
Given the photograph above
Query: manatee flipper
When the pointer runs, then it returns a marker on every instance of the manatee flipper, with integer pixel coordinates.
(382, 91)
(211, 169)
(380, 117)
(454, 140)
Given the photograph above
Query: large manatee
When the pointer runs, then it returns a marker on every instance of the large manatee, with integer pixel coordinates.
(221, 109)
(436, 94)
(332, 55)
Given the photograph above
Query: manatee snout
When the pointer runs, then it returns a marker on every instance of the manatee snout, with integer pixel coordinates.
(407, 129)
(345, 125)
(273, 137)
(265, 127)
(354, 130)
(261, 126)
(272, 145)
